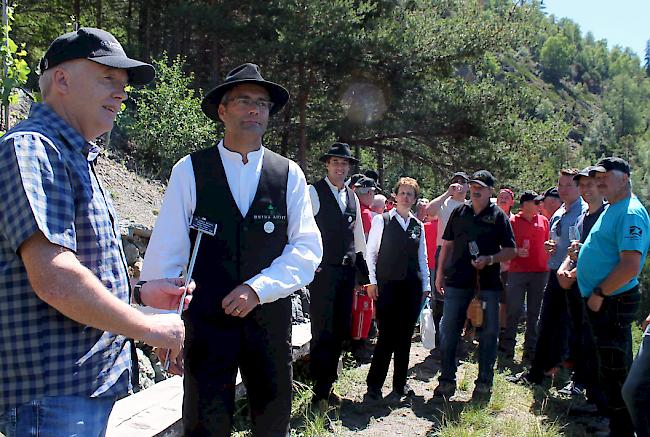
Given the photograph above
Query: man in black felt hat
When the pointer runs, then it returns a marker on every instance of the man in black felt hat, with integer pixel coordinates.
(266, 246)
(338, 215)
(64, 286)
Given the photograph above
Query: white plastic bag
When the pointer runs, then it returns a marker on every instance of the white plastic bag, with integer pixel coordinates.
(427, 328)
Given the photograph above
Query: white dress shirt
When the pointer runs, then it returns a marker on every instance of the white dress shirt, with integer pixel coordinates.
(374, 242)
(169, 248)
(342, 199)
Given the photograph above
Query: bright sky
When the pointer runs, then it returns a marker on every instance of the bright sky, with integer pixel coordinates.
(620, 22)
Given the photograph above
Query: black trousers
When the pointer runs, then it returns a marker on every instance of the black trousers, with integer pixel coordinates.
(330, 312)
(612, 328)
(398, 306)
(552, 329)
(260, 345)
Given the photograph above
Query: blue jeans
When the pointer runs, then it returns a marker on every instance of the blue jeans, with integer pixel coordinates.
(636, 390)
(453, 318)
(58, 416)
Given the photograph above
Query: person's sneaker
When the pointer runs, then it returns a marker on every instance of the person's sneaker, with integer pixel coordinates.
(522, 378)
(373, 393)
(571, 389)
(445, 389)
(404, 391)
(482, 390)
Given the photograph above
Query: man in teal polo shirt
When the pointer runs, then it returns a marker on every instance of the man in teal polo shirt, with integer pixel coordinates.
(609, 263)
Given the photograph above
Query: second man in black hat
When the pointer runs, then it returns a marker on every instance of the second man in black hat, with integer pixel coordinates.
(338, 215)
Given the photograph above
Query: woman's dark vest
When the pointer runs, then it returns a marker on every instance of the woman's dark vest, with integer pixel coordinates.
(398, 252)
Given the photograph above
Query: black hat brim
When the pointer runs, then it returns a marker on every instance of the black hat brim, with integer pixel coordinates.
(210, 104)
(334, 155)
(140, 73)
(481, 183)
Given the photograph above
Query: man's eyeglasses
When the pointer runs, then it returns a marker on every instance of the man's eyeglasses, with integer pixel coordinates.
(245, 102)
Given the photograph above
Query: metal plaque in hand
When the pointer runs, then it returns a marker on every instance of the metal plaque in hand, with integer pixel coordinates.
(204, 225)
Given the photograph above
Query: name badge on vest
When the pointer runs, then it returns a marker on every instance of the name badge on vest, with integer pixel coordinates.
(269, 227)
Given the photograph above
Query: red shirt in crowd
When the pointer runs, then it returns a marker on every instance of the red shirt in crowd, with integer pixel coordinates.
(430, 235)
(366, 219)
(536, 232)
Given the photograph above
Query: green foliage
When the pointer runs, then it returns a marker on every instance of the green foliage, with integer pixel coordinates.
(167, 122)
(16, 67)
(557, 55)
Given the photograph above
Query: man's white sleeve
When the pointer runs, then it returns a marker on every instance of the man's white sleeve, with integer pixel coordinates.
(169, 247)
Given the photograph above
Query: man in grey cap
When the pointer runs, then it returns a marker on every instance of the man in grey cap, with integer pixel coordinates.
(266, 246)
(64, 286)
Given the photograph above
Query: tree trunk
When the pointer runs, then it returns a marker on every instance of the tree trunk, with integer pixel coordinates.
(380, 164)
(303, 97)
(98, 14)
(76, 11)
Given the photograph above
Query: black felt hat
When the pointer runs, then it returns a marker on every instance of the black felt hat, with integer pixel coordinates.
(340, 150)
(98, 46)
(245, 73)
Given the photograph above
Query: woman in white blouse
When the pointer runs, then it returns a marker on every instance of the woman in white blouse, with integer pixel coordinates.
(399, 280)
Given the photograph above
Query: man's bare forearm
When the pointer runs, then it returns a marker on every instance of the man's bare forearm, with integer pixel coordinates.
(61, 281)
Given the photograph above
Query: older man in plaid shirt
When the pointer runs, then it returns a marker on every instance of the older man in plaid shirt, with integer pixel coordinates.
(64, 290)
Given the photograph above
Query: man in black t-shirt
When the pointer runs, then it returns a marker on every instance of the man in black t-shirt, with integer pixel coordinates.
(477, 238)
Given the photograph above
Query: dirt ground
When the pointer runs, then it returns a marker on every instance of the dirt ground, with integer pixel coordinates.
(390, 417)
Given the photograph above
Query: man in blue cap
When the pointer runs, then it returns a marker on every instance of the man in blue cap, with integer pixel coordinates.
(64, 286)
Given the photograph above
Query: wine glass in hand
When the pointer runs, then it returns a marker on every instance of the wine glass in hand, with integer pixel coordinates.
(473, 249)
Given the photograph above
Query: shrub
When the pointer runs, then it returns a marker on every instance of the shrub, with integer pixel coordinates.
(166, 122)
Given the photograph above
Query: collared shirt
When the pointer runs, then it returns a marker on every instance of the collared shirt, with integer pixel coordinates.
(342, 199)
(490, 229)
(623, 226)
(169, 248)
(48, 184)
(560, 223)
(374, 243)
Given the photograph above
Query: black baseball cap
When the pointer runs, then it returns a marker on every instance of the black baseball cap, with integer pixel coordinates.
(528, 195)
(461, 174)
(483, 178)
(586, 172)
(611, 163)
(98, 46)
(551, 192)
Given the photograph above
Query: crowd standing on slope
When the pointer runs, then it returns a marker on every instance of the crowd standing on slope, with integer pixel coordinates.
(568, 260)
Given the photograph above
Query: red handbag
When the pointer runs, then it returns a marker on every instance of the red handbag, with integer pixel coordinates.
(362, 309)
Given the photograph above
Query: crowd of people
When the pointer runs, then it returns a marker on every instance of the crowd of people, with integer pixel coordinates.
(569, 258)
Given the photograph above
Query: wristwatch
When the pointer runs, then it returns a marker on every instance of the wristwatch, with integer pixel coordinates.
(598, 292)
(491, 261)
(137, 290)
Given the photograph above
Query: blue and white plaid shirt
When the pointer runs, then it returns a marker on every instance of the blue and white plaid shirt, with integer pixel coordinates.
(48, 184)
